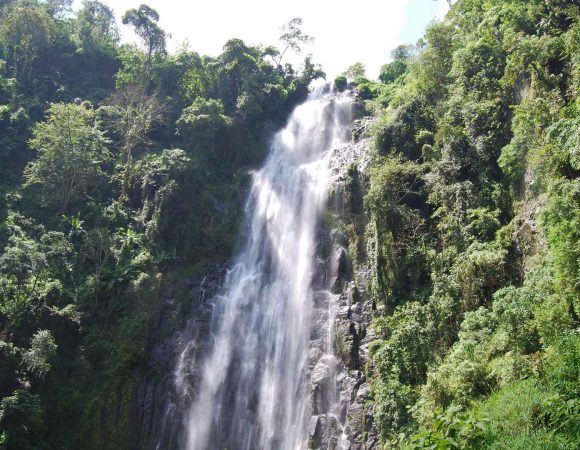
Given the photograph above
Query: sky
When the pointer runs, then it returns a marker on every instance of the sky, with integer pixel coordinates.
(364, 30)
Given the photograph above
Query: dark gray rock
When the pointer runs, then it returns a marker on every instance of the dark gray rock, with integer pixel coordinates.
(156, 414)
(339, 416)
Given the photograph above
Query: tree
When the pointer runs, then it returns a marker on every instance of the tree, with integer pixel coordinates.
(71, 152)
(238, 72)
(96, 26)
(21, 421)
(42, 350)
(203, 120)
(310, 70)
(4, 4)
(144, 22)
(162, 178)
(99, 249)
(133, 114)
(57, 8)
(357, 70)
(23, 259)
(27, 34)
(292, 37)
(393, 70)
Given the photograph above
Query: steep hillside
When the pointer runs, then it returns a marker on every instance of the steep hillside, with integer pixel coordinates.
(124, 168)
(440, 295)
(471, 228)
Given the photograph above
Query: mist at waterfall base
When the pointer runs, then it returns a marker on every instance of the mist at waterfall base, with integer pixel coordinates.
(253, 389)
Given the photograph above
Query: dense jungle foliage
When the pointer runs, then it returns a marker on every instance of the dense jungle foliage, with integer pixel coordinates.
(122, 165)
(119, 165)
(472, 229)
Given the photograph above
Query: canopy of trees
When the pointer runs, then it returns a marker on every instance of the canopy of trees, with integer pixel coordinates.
(124, 165)
(117, 168)
(471, 230)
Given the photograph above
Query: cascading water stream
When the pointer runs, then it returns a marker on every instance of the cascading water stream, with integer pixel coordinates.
(254, 387)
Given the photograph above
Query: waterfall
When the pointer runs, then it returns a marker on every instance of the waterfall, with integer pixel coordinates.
(253, 391)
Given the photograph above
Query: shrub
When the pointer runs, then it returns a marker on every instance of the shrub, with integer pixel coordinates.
(392, 402)
(479, 272)
(451, 431)
(340, 83)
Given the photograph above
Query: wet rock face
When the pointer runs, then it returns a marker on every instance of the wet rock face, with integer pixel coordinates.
(322, 379)
(183, 331)
(339, 389)
(336, 358)
(353, 325)
(337, 416)
(338, 354)
(340, 270)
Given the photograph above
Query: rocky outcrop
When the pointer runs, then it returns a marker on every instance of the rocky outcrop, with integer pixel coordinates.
(338, 357)
(183, 332)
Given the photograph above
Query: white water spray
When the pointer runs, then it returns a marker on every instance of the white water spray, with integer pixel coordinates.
(254, 388)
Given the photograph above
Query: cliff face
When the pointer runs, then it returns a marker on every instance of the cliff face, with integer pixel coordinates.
(183, 330)
(340, 417)
(458, 240)
(337, 360)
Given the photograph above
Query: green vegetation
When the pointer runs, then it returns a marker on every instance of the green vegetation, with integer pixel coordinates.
(121, 165)
(473, 230)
